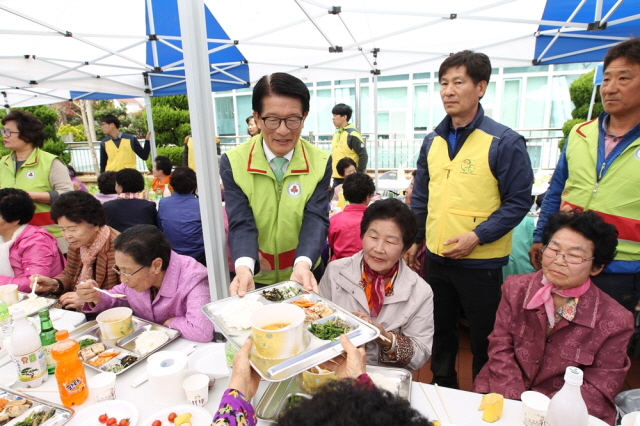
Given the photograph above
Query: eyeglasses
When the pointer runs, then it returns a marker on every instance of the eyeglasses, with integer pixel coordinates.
(292, 123)
(124, 274)
(7, 133)
(569, 258)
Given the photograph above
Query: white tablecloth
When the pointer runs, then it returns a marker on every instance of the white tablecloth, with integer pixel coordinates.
(462, 405)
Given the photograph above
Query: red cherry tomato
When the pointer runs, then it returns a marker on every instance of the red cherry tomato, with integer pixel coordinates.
(172, 417)
(156, 423)
(112, 421)
(103, 418)
(124, 422)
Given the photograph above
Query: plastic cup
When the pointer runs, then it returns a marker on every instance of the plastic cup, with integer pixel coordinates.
(534, 406)
(278, 331)
(103, 386)
(9, 293)
(115, 323)
(197, 389)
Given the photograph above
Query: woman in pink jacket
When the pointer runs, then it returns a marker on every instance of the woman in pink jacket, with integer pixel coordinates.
(25, 249)
(556, 318)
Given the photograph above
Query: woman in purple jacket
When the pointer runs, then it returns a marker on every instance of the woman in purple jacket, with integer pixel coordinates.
(161, 285)
(556, 318)
(25, 249)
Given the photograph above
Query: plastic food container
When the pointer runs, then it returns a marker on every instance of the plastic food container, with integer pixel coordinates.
(115, 323)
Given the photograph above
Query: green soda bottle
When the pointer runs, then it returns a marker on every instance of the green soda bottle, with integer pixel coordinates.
(47, 338)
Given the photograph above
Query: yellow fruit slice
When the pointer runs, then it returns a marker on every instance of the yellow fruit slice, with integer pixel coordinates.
(183, 419)
(492, 404)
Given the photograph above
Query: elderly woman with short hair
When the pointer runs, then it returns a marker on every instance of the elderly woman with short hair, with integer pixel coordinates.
(378, 286)
(130, 209)
(91, 254)
(24, 249)
(556, 318)
(161, 285)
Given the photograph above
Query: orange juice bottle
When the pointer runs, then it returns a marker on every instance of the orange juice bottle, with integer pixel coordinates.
(72, 381)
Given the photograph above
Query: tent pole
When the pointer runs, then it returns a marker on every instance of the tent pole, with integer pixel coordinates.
(375, 126)
(88, 111)
(147, 102)
(196, 60)
(592, 101)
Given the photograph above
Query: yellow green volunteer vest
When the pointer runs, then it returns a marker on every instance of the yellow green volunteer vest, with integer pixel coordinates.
(32, 176)
(120, 157)
(278, 209)
(340, 149)
(462, 194)
(615, 197)
(191, 154)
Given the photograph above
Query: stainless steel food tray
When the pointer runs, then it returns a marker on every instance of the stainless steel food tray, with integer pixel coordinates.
(61, 416)
(24, 296)
(126, 345)
(317, 351)
(272, 402)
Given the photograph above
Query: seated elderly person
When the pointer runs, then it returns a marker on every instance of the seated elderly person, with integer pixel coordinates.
(24, 249)
(90, 256)
(556, 318)
(378, 286)
(179, 215)
(344, 227)
(107, 187)
(353, 400)
(345, 167)
(130, 209)
(161, 285)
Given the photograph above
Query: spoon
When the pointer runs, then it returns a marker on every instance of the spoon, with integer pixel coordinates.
(33, 294)
(114, 295)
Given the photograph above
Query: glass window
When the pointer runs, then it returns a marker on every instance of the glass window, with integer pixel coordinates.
(438, 110)
(534, 103)
(422, 75)
(323, 83)
(347, 96)
(324, 105)
(421, 107)
(342, 82)
(399, 77)
(225, 121)
(244, 110)
(365, 113)
(488, 101)
(532, 68)
(392, 97)
(511, 103)
(561, 105)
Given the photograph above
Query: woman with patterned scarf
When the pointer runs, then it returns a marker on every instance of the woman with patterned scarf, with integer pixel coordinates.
(556, 318)
(91, 254)
(378, 286)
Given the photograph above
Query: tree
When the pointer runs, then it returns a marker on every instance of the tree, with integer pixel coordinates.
(580, 92)
(76, 131)
(171, 119)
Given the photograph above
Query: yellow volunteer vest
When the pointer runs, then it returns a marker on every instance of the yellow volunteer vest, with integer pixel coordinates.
(278, 209)
(32, 176)
(191, 154)
(340, 149)
(462, 194)
(616, 197)
(121, 157)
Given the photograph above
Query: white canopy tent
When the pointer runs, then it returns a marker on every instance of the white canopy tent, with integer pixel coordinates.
(311, 39)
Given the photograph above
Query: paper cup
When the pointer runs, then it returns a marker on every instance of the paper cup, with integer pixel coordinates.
(310, 382)
(115, 323)
(197, 389)
(103, 386)
(534, 406)
(278, 330)
(9, 293)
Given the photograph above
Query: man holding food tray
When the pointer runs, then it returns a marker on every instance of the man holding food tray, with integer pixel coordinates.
(275, 192)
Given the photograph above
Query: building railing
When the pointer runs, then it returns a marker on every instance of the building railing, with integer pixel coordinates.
(393, 153)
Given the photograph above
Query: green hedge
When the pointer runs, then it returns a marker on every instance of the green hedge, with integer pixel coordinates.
(173, 152)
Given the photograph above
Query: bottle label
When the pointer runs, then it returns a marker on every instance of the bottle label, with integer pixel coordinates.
(47, 355)
(31, 366)
(75, 386)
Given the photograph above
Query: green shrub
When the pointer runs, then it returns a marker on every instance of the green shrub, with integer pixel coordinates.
(76, 131)
(173, 152)
(59, 149)
(566, 128)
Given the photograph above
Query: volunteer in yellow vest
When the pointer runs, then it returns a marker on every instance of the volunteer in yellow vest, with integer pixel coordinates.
(598, 170)
(189, 154)
(276, 192)
(347, 142)
(118, 150)
(41, 174)
(472, 187)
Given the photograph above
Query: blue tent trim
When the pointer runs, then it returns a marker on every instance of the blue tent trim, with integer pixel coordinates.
(584, 45)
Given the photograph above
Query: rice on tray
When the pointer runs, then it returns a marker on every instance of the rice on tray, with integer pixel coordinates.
(384, 383)
(236, 314)
(150, 340)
